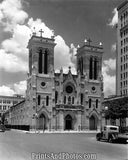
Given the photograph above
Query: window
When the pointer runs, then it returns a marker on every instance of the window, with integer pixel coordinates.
(47, 100)
(72, 100)
(69, 100)
(40, 61)
(38, 99)
(81, 98)
(95, 69)
(56, 96)
(69, 89)
(4, 107)
(81, 65)
(96, 103)
(64, 99)
(8, 101)
(90, 103)
(46, 62)
(4, 101)
(90, 68)
(15, 102)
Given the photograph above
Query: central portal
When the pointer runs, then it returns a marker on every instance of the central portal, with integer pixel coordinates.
(93, 123)
(68, 122)
(42, 122)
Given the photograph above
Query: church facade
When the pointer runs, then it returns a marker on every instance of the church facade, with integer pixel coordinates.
(59, 101)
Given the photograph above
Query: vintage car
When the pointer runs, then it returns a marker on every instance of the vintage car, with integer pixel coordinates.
(109, 133)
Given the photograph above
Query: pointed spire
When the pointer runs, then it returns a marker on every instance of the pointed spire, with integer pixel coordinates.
(85, 41)
(34, 31)
(100, 44)
(78, 46)
(53, 36)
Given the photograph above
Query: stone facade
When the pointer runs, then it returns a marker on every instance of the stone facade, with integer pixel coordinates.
(59, 101)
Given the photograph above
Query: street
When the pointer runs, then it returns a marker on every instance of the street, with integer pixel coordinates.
(20, 146)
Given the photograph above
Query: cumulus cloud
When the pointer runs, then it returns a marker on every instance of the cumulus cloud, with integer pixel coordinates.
(37, 25)
(13, 50)
(110, 64)
(11, 13)
(20, 87)
(114, 20)
(11, 63)
(109, 80)
(11, 89)
(62, 56)
(6, 91)
(18, 42)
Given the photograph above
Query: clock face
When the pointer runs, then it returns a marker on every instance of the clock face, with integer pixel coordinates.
(69, 89)
(43, 84)
(93, 89)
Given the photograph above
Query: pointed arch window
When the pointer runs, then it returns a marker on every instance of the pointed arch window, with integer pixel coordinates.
(90, 67)
(72, 100)
(81, 98)
(56, 96)
(64, 99)
(95, 69)
(96, 103)
(81, 66)
(47, 100)
(39, 97)
(46, 62)
(90, 102)
(69, 100)
(40, 61)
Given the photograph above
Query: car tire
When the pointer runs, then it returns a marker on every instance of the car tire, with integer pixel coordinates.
(98, 138)
(110, 140)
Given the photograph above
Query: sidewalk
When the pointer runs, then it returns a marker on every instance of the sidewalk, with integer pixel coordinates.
(53, 132)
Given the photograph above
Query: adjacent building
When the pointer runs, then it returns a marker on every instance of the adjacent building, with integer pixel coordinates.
(122, 50)
(117, 105)
(7, 101)
(59, 101)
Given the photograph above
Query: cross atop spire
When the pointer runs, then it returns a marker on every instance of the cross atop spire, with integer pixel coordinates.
(89, 41)
(41, 32)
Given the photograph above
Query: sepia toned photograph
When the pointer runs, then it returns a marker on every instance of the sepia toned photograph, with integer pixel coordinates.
(63, 79)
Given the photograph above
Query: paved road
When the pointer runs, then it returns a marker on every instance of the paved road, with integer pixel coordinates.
(19, 146)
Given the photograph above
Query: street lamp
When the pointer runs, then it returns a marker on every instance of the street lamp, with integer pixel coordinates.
(36, 116)
(106, 109)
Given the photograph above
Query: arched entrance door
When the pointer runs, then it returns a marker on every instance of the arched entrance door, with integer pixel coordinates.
(42, 122)
(93, 123)
(68, 122)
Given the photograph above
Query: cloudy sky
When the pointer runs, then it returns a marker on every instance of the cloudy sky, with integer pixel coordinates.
(73, 21)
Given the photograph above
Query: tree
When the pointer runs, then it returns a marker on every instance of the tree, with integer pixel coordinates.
(117, 108)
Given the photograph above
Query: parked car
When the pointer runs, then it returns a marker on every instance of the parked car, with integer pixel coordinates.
(111, 134)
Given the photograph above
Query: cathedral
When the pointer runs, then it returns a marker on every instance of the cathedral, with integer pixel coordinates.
(59, 101)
